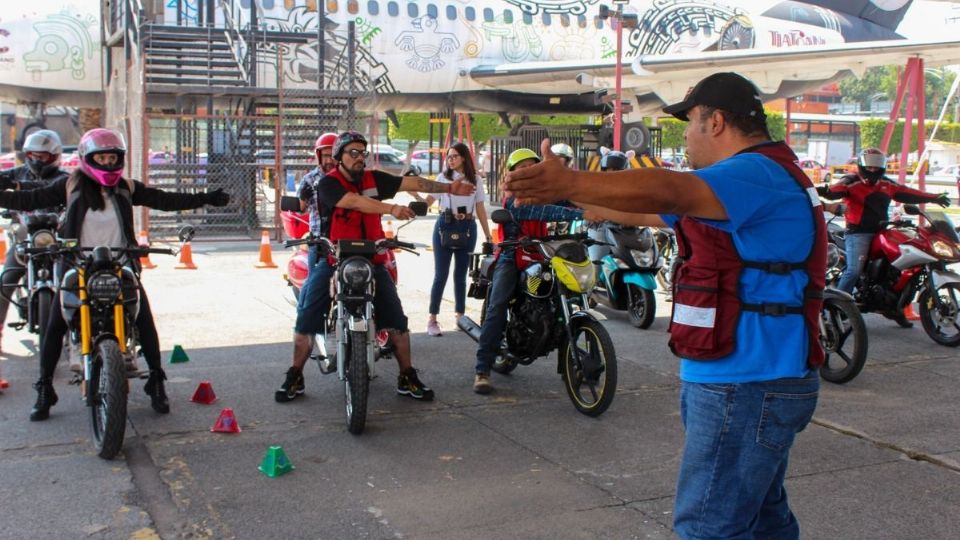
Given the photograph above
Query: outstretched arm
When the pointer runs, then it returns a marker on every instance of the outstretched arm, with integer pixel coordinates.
(368, 205)
(593, 212)
(418, 183)
(159, 199)
(49, 196)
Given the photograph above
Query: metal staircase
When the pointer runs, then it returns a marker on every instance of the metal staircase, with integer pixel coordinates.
(192, 56)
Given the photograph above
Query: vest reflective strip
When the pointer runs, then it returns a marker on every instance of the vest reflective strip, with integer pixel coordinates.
(694, 316)
(814, 196)
(371, 192)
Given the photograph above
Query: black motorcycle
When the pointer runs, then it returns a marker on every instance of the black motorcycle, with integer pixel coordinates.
(35, 293)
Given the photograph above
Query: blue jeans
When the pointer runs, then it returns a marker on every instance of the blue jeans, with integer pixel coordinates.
(738, 439)
(314, 304)
(504, 284)
(857, 248)
(461, 264)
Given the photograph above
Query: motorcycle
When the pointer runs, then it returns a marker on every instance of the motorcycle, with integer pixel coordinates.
(550, 310)
(667, 247)
(100, 299)
(355, 344)
(907, 261)
(34, 297)
(628, 260)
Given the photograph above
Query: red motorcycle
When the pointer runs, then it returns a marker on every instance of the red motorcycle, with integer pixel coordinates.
(907, 261)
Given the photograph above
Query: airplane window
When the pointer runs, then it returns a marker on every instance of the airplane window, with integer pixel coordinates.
(412, 9)
(565, 20)
(353, 7)
(452, 13)
(488, 14)
(507, 16)
(373, 8)
(331, 6)
(432, 10)
(527, 18)
(581, 21)
(470, 13)
(546, 19)
(393, 9)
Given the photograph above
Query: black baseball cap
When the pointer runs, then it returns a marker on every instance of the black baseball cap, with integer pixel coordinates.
(727, 91)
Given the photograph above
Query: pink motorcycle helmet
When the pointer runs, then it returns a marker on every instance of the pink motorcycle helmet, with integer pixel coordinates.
(102, 141)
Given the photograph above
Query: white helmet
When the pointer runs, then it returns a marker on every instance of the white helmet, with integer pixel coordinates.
(44, 140)
(563, 150)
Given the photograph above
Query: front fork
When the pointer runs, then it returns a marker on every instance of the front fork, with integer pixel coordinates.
(348, 323)
(86, 332)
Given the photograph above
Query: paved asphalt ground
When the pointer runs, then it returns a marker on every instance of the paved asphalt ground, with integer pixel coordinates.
(881, 459)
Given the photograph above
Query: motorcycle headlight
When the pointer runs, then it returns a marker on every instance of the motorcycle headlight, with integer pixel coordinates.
(356, 274)
(42, 239)
(104, 287)
(578, 277)
(642, 258)
(942, 249)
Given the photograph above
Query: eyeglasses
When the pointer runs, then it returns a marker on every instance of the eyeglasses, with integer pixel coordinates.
(354, 153)
(454, 156)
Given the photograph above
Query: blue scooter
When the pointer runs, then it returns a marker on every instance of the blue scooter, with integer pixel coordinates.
(629, 262)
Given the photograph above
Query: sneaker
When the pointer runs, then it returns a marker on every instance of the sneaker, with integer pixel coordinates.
(433, 329)
(46, 398)
(408, 384)
(292, 386)
(481, 383)
(154, 389)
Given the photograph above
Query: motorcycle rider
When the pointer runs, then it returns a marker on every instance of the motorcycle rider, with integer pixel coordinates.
(565, 151)
(867, 195)
(99, 211)
(530, 221)
(42, 151)
(305, 192)
(352, 196)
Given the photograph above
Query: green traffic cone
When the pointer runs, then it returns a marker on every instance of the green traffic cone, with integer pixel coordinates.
(179, 355)
(275, 462)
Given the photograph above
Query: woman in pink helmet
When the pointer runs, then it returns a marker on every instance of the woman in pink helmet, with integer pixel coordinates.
(99, 212)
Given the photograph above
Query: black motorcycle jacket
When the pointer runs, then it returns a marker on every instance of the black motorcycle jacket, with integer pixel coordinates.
(23, 178)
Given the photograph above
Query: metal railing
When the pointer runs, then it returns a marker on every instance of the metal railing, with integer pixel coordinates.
(238, 45)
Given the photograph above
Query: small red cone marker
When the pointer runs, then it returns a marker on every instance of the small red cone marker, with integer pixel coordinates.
(204, 393)
(226, 422)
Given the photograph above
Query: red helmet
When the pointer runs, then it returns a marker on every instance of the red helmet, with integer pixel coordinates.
(327, 140)
(102, 141)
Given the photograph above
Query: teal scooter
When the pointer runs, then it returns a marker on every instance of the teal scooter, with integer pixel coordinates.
(628, 263)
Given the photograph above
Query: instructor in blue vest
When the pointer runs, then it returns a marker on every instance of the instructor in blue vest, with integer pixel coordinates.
(746, 304)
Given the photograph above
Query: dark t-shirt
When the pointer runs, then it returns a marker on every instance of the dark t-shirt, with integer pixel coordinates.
(330, 191)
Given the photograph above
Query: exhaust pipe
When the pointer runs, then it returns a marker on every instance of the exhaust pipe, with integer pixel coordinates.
(471, 328)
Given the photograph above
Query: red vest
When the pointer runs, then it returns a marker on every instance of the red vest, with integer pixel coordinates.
(347, 224)
(706, 299)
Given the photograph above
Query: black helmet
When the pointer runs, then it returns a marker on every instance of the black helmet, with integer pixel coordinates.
(871, 165)
(346, 138)
(614, 161)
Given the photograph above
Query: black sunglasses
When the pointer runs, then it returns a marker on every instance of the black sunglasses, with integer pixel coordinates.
(354, 153)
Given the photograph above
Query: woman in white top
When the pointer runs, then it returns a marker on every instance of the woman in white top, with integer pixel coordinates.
(459, 214)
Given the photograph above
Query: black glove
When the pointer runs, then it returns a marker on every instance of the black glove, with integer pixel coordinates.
(218, 198)
(823, 190)
(486, 248)
(943, 200)
(6, 182)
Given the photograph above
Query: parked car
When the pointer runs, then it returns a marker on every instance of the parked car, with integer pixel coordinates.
(387, 149)
(386, 161)
(952, 171)
(8, 160)
(429, 161)
(816, 171)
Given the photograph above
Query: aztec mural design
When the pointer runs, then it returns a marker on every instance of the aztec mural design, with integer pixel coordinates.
(569, 7)
(427, 43)
(64, 43)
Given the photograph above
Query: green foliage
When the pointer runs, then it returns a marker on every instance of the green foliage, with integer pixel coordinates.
(880, 83)
(776, 125)
(415, 126)
(673, 129)
(871, 134)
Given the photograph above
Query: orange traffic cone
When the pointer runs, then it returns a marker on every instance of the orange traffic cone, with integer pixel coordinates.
(388, 229)
(204, 394)
(145, 261)
(266, 257)
(186, 258)
(3, 245)
(910, 314)
(226, 422)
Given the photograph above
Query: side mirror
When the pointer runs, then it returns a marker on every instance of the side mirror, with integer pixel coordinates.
(289, 204)
(414, 170)
(186, 233)
(501, 216)
(419, 208)
(911, 209)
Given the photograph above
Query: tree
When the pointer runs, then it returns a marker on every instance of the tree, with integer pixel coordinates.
(882, 82)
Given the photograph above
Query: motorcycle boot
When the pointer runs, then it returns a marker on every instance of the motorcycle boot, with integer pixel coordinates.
(154, 389)
(292, 387)
(46, 398)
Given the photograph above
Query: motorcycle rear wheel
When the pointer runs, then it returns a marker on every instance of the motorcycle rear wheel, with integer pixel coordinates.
(642, 307)
(844, 341)
(940, 313)
(591, 381)
(108, 392)
(356, 384)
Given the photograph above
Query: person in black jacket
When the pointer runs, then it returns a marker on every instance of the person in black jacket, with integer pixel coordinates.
(42, 151)
(99, 212)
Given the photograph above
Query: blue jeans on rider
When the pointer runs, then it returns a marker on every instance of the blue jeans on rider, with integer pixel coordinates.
(504, 284)
(314, 304)
(461, 264)
(735, 455)
(313, 257)
(857, 248)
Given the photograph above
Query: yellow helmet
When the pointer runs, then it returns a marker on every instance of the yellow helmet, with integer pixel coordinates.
(520, 154)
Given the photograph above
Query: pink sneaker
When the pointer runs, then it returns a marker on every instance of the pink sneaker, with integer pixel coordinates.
(433, 329)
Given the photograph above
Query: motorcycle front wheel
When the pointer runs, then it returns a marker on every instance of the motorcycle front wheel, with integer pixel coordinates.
(108, 395)
(356, 383)
(590, 377)
(643, 306)
(940, 314)
(844, 341)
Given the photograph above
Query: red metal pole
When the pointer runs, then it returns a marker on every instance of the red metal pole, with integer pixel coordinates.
(895, 111)
(786, 138)
(921, 97)
(908, 120)
(617, 112)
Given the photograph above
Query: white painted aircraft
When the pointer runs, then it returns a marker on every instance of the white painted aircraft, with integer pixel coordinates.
(512, 56)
